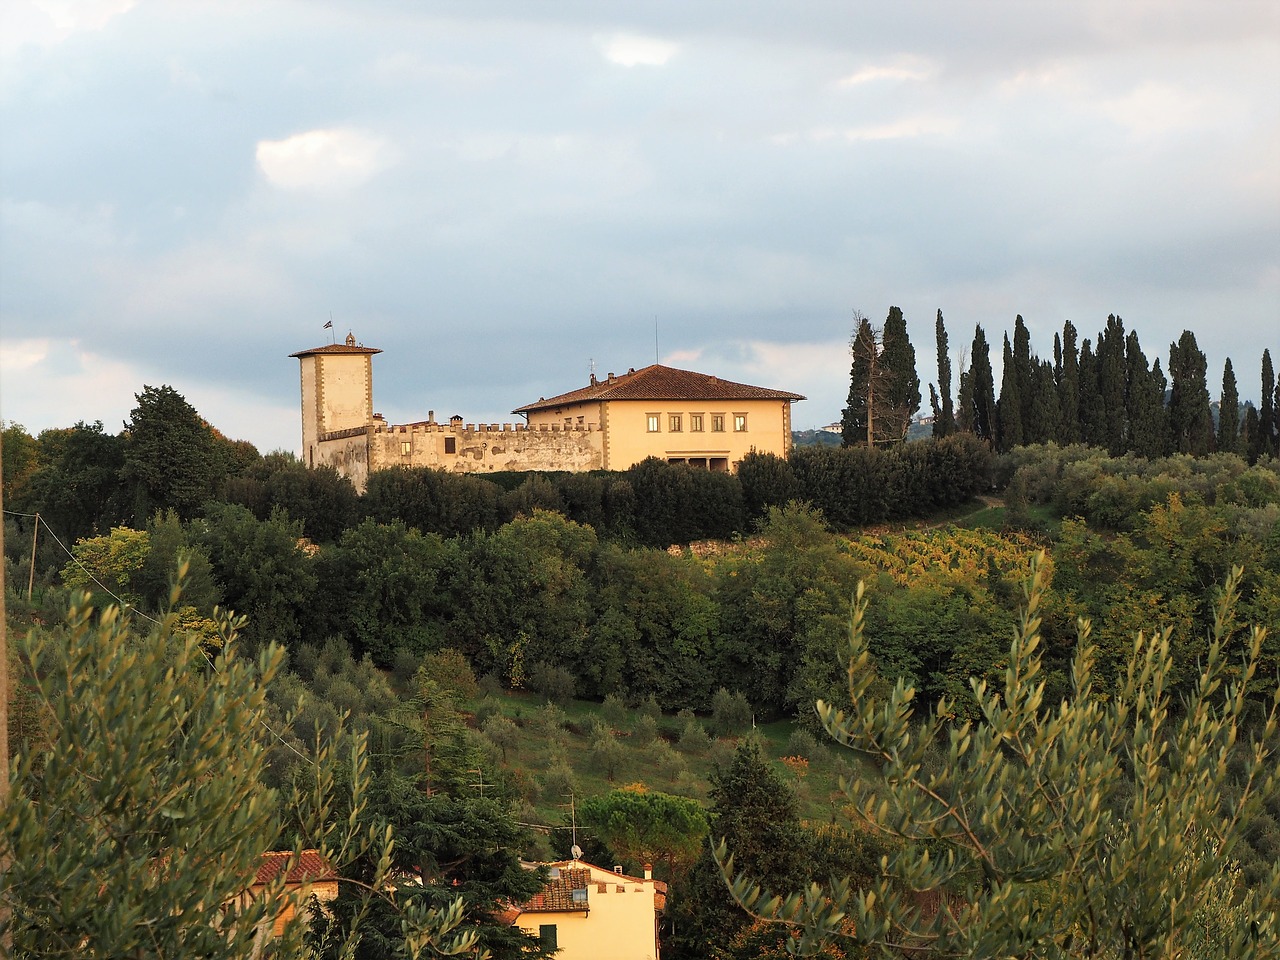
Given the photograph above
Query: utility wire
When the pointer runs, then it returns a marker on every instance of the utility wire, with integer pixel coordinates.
(125, 605)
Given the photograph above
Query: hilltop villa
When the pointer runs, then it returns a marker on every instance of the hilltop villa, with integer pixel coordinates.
(610, 424)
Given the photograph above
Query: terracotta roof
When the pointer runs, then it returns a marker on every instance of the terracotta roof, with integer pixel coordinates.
(557, 895)
(349, 347)
(657, 382)
(309, 867)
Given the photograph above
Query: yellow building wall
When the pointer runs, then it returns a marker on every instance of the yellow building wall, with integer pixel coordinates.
(346, 391)
(619, 926)
(628, 439)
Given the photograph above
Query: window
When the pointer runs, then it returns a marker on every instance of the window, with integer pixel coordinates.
(450, 444)
(406, 447)
(653, 422)
(695, 423)
(674, 423)
(547, 936)
(717, 423)
(739, 423)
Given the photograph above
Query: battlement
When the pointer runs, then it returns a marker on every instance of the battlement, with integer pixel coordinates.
(459, 428)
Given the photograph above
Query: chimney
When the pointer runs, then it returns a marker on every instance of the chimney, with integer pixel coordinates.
(648, 871)
(593, 379)
(617, 868)
(611, 377)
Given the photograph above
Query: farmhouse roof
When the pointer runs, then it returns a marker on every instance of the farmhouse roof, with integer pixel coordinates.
(309, 867)
(557, 895)
(658, 382)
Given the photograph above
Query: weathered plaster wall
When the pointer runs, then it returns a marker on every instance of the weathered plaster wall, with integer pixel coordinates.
(485, 448)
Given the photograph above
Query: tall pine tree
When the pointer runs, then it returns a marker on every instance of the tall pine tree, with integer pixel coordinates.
(1229, 412)
(983, 385)
(944, 423)
(1009, 407)
(1092, 416)
(1042, 424)
(1069, 387)
(1190, 423)
(1144, 399)
(1111, 385)
(1267, 414)
(902, 386)
(863, 380)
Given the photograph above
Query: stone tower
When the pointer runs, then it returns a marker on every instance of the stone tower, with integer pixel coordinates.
(337, 395)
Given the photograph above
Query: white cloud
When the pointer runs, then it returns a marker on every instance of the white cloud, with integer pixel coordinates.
(320, 159)
(633, 50)
(55, 383)
(903, 68)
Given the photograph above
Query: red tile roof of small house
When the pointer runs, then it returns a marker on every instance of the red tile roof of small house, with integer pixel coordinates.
(309, 867)
(658, 382)
(557, 895)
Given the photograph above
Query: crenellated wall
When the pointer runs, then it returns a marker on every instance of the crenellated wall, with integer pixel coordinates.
(461, 448)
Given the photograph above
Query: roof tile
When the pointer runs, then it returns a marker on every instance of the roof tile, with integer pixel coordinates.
(658, 382)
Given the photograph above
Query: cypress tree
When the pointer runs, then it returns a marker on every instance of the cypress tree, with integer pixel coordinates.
(1009, 409)
(865, 352)
(1190, 423)
(1144, 399)
(1267, 425)
(1250, 433)
(1111, 385)
(1023, 367)
(1042, 424)
(944, 423)
(902, 382)
(1092, 427)
(964, 403)
(1229, 412)
(983, 385)
(1069, 387)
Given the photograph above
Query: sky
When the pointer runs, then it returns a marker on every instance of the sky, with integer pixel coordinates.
(507, 196)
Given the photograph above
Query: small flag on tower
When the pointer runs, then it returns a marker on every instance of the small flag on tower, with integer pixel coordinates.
(329, 325)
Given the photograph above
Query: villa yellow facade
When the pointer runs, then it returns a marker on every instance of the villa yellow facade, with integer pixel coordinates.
(610, 424)
(589, 913)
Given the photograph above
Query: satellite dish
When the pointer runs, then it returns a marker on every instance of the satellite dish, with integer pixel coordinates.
(576, 851)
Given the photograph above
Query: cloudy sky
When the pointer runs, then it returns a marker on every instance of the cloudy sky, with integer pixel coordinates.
(502, 195)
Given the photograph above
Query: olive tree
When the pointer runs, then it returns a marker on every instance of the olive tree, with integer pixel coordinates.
(136, 822)
(1102, 826)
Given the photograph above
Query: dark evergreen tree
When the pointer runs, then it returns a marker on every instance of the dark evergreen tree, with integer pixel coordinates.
(1009, 408)
(964, 403)
(862, 381)
(983, 385)
(1092, 415)
(1024, 369)
(902, 386)
(1190, 423)
(76, 488)
(944, 423)
(1042, 425)
(1069, 386)
(1144, 398)
(169, 455)
(1268, 427)
(754, 811)
(1229, 412)
(1111, 386)
(1251, 434)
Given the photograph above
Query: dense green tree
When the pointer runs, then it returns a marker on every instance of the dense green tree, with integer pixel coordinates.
(22, 457)
(865, 382)
(654, 628)
(1268, 412)
(1144, 395)
(1112, 380)
(1069, 385)
(1024, 363)
(432, 500)
(1190, 422)
(169, 457)
(944, 423)
(1229, 412)
(767, 481)
(644, 827)
(135, 826)
(983, 385)
(1092, 414)
(77, 488)
(902, 387)
(261, 568)
(1009, 407)
(1099, 828)
(387, 589)
(1251, 433)
(964, 403)
(754, 811)
(1042, 425)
